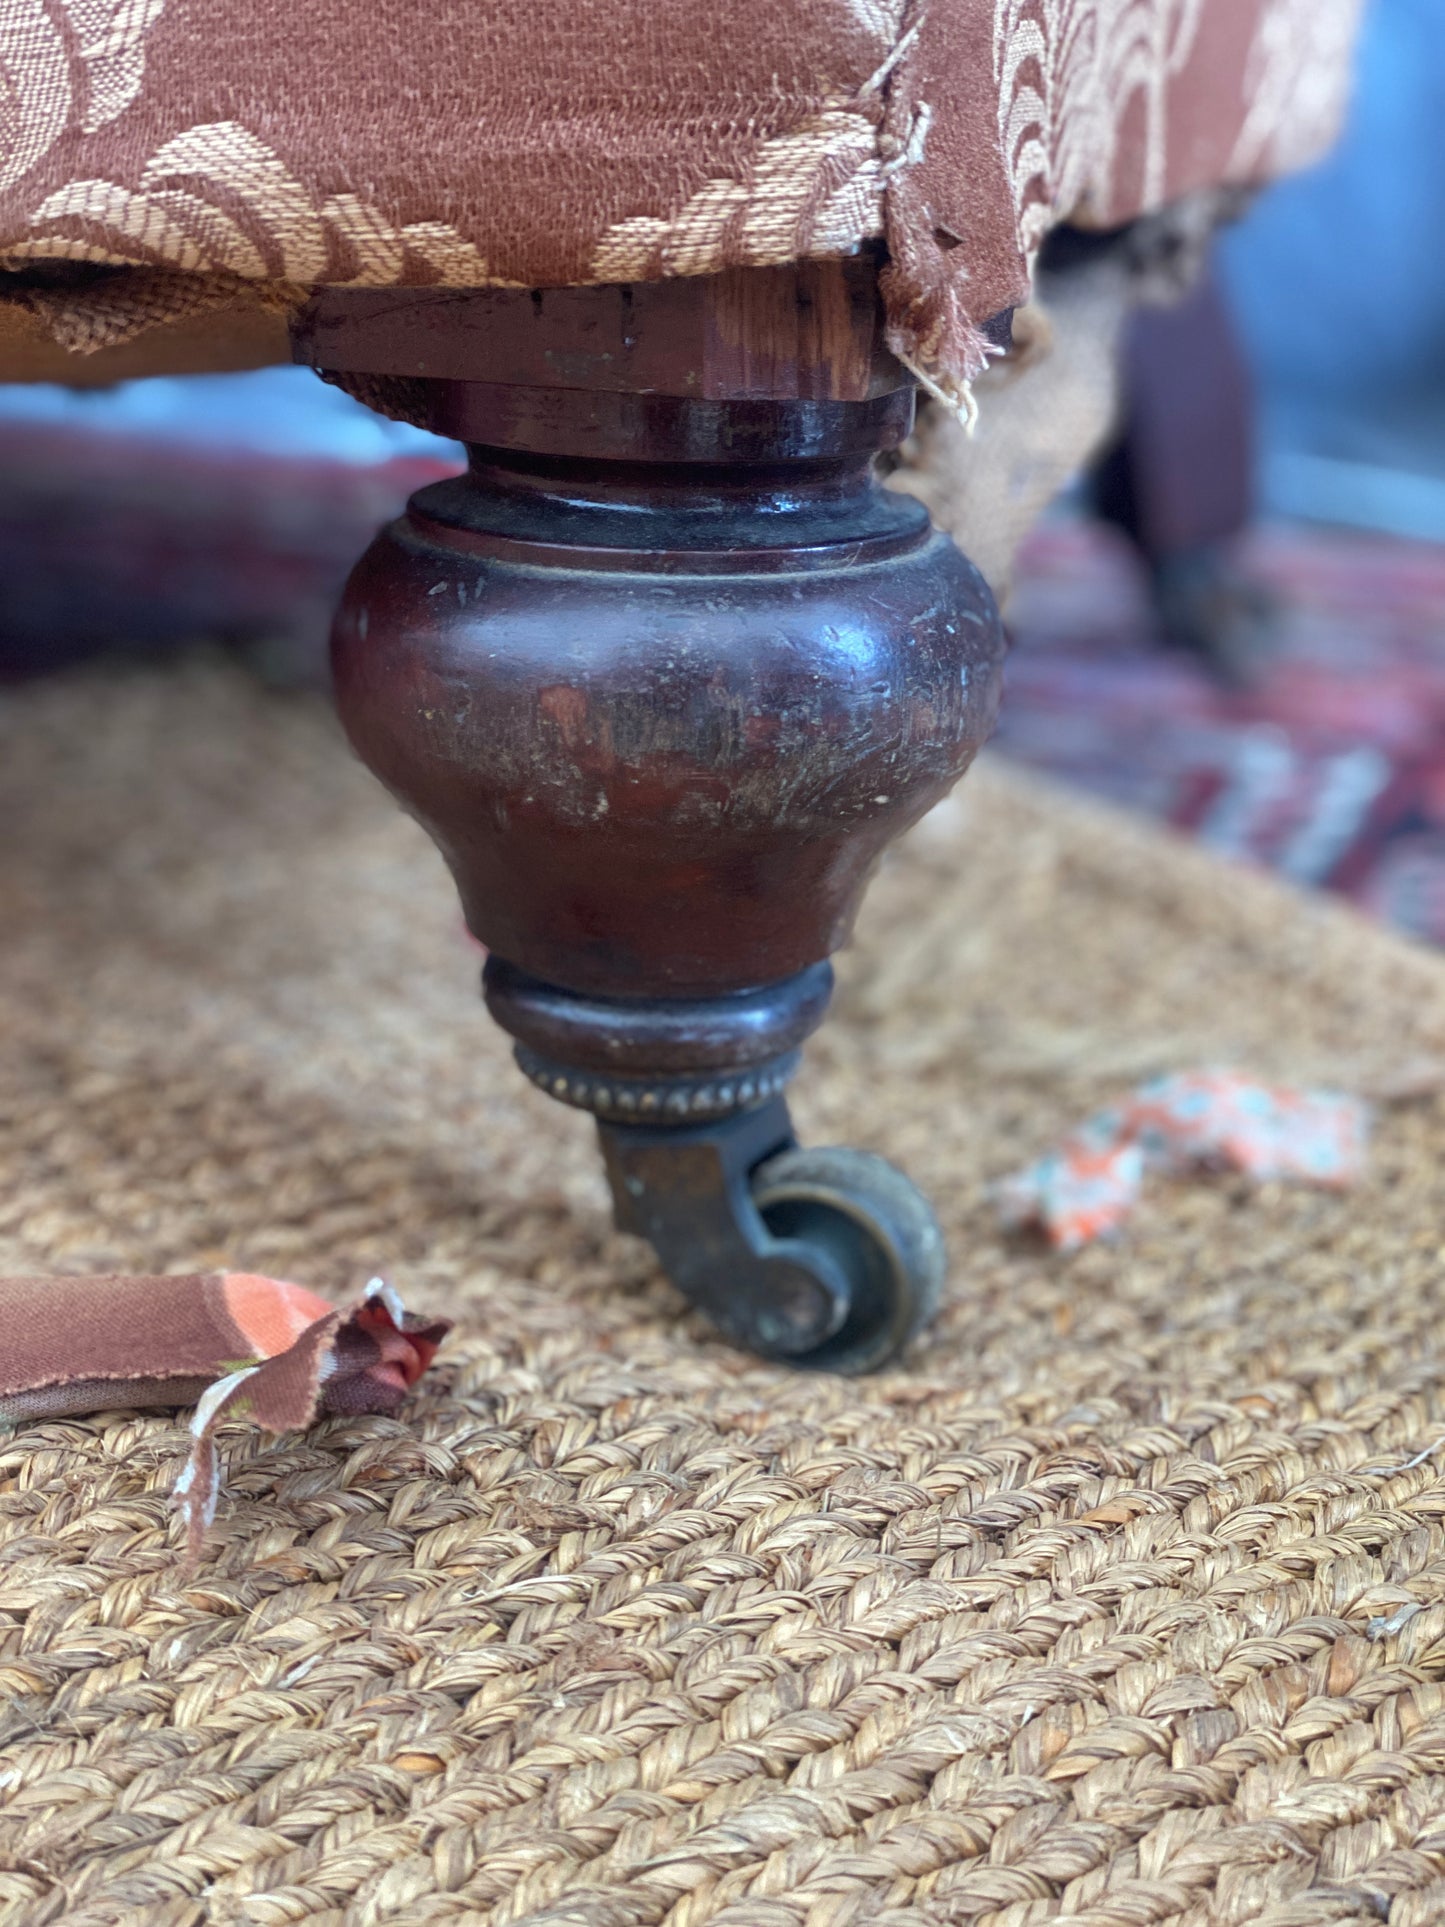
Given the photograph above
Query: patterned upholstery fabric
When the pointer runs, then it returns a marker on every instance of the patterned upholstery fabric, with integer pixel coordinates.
(207, 143)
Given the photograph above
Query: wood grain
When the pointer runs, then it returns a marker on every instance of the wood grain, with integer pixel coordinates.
(812, 331)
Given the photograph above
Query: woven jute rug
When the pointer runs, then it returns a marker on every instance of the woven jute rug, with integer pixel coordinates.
(1123, 1601)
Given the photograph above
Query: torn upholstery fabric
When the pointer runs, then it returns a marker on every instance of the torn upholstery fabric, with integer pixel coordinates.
(542, 142)
(234, 1344)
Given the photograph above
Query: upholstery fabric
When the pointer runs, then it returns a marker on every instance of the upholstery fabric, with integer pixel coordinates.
(203, 144)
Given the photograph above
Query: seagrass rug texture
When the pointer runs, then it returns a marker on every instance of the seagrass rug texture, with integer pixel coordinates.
(1120, 1602)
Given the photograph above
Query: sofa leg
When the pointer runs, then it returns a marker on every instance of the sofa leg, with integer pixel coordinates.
(663, 677)
(827, 1258)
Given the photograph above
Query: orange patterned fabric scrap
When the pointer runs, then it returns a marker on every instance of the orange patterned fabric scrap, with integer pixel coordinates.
(1190, 1121)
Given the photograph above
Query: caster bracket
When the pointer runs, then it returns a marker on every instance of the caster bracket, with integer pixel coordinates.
(686, 1189)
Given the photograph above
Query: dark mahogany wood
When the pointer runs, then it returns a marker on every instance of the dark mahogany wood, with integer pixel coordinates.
(662, 718)
(813, 332)
(663, 674)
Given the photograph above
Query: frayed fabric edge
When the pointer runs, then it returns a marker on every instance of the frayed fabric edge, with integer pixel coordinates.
(359, 1360)
(927, 326)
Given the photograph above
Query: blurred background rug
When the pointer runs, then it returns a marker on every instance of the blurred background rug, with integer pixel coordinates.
(1329, 767)
(1122, 1601)
(137, 518)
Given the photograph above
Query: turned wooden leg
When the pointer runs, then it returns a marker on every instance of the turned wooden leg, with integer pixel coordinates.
(662, 675)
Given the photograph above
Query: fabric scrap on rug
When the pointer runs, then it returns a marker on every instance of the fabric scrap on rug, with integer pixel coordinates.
(1173, 1125)
(234, 1344)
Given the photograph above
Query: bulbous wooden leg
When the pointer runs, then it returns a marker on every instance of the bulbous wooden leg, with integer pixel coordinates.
(662, 677)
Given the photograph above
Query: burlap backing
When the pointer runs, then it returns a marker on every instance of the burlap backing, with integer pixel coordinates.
(1121, 1602)
(1043, 413)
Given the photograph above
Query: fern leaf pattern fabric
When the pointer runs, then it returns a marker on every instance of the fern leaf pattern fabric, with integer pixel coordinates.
(542, 142)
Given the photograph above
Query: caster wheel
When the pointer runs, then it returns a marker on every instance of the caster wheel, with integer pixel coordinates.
(881, 1232)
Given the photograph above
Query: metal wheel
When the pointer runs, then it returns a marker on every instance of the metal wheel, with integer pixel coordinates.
(877, 1228)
